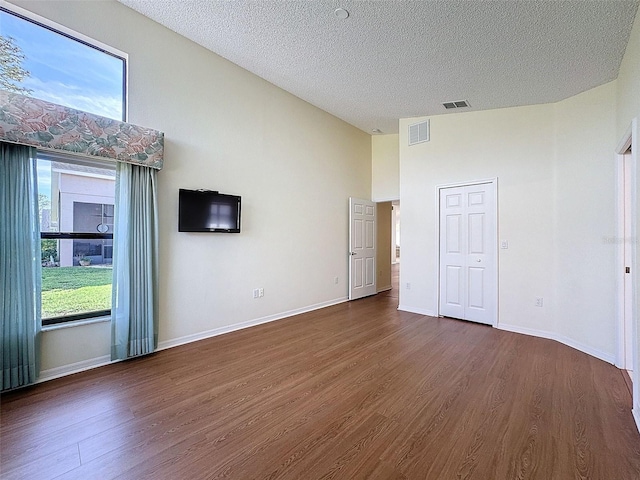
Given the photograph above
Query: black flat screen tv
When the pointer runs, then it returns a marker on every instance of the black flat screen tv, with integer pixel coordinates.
(208, 211)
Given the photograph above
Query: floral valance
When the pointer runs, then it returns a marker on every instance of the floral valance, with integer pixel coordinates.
(30, 121)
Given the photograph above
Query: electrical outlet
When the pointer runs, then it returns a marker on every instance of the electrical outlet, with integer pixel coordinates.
(256, 293)
(539, 301)
(504, 244)
(408, 286)
(335, 280)
(261, 292)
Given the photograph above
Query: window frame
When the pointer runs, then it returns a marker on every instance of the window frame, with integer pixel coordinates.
(69, 158)
(79, 37)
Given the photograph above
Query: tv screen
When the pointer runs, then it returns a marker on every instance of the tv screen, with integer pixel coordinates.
(208, 211)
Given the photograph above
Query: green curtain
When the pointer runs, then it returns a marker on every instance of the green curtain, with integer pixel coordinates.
(134, 308)
(20, 266)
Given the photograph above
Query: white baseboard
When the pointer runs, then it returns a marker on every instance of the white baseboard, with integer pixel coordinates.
(72, 368)
(78, 367)
(249, 323)
(384, 289)
(636, 416)
(83, 365)
(420, 311)
(594, 352)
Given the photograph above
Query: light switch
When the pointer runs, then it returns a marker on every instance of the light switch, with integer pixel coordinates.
(504, 244)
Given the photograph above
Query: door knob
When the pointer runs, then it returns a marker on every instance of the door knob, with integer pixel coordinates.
(353, 253)
(478, 260)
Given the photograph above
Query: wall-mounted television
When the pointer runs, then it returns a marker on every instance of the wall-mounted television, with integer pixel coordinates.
(208, 211)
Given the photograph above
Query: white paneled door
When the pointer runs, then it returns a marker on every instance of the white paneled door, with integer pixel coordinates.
(468, 253)
(362, 248)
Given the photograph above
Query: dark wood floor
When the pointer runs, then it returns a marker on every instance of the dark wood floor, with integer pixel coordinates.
(357, 390)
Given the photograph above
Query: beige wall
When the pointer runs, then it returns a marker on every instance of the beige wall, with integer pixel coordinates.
(229, 130)
(385, 168)
(556, 202)
(383, 246)
(226, 129)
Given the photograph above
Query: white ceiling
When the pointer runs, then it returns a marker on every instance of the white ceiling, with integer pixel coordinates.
(398, 59)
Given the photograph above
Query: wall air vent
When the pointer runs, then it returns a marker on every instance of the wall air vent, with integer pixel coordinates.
(419, 132)
(458, 104)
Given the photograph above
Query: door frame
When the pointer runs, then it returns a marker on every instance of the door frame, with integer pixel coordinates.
(493, 181)
(621, 240)
(630, 138)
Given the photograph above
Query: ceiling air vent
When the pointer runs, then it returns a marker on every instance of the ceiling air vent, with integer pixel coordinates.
(419, 132)
(458, 104)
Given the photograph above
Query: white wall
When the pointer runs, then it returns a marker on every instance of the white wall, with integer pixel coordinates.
(385, 168)
(225, 129)
(556, 201)
(585, 211)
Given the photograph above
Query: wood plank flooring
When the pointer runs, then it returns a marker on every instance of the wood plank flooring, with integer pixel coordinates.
(357, 390)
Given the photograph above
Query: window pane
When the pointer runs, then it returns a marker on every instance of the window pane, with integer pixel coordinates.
(72, 290)
(75, 198)
(76, 273)
(63, 70)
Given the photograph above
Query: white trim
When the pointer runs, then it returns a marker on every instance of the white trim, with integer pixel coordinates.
(594, 352)
(464, 184)
(626, 140)
(419, 311)
(636, 416)
(91, 363)
(619, 312)
(249, 323)
(629, 139)
(72, 368)
(493, 181)
(620, 241)
(76, 323)
(385, 289)
(384, 199)
(634, 257)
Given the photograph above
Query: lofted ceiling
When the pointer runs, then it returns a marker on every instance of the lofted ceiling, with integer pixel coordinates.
(392, 59)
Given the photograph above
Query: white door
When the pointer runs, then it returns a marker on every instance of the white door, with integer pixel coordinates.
(468, 273)
(627, 166)
(362, 244)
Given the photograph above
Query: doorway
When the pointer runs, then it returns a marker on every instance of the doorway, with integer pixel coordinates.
(387, 261)
(626, 253)
(362, 248)
(395, 232)
(468, 274)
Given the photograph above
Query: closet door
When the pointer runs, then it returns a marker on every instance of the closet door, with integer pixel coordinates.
(468, 283)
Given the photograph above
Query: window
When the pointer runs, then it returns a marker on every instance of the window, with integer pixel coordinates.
(53, 63)
(76, 197)
(76, 228)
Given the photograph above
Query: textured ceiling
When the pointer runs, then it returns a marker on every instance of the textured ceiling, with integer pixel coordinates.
(397, 59)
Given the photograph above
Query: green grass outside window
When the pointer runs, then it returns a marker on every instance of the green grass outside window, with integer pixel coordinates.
(72, 290)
